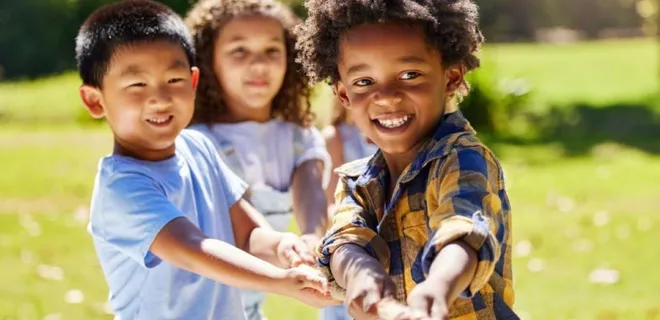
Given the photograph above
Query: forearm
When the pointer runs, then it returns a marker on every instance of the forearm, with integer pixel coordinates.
(309, 200)
(263, 245)
(227, 264)
(311, 214)
(350, 260)
(453, 269)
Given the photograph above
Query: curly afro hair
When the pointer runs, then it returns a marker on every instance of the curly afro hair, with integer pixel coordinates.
(205, 21)
(450, 26)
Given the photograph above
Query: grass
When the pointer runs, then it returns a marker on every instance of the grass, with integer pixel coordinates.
(560, 208)
(574, 212)
(599, 72)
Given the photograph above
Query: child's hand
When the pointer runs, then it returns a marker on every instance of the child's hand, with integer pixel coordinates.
(311, 240)
(365, 290)
(309, 286)
(292, 251)
(430, 299)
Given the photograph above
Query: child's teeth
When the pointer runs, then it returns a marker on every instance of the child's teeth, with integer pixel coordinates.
(157, 120)
(393, 123)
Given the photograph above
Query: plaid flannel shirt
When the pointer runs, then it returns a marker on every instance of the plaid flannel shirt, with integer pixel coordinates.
(454, 189)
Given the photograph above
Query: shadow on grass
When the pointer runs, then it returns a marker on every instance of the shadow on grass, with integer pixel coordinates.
(580, 127)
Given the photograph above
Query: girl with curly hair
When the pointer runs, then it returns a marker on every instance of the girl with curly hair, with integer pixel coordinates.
(253, 103)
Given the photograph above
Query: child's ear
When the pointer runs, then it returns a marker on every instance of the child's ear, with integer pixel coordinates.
(454, 77)
(340, 91)
(194, 77)
(91, 98)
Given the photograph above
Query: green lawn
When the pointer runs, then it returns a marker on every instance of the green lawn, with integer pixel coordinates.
(593, 72)
(578, 214)
(582, 203)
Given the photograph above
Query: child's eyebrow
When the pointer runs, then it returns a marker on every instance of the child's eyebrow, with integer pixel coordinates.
(135, 69)
(412, 59)
(238, 38)
(357, 68)
(132, 69)
(178, 64)
(404, 59)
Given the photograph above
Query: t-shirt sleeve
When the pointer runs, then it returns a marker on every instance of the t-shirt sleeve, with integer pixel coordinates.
(128, 212)
(233, 187)
(313, 148)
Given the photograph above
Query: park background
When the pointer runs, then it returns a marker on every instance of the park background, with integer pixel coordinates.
(568, 97)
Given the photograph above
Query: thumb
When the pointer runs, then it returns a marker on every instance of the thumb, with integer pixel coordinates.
(304, 254)
(313, 280)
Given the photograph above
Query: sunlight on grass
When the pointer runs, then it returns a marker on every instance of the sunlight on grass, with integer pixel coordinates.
(599, 72)
(572, 217)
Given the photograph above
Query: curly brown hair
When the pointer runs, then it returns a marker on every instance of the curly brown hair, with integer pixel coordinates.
(205, 21)
(450, 26)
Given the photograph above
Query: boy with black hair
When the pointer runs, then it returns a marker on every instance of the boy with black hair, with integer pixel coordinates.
(167, 214)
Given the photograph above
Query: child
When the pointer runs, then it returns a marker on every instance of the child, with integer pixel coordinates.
(426, 220)
(253, 103)
(166, 212)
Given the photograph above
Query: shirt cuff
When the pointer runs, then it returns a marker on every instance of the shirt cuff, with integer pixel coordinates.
(365, 238)
(473, 231)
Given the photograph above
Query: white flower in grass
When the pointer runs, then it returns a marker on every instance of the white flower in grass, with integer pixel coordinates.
(74, 296)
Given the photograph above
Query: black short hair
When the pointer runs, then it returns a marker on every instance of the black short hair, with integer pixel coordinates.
(450, 26)
(124, 23)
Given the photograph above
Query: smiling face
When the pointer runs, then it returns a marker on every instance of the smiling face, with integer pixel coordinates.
(250, 64)
(393, 84)
(147, 98)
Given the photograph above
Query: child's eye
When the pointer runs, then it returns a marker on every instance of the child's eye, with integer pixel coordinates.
(138, 85)
(238, 52)
(272, 51)
(362, 82)
(175, 80)
(410, 75)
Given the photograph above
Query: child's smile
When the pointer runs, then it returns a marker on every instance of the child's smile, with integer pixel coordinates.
(393, 123)
(161, 120)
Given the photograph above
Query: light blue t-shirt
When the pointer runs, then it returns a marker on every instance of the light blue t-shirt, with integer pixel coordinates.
(133, 200)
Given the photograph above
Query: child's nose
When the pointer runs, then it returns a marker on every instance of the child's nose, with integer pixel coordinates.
(388, 96)
(259, 63)
(161, 99)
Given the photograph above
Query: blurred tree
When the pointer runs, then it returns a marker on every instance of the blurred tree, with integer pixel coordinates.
(37, 36)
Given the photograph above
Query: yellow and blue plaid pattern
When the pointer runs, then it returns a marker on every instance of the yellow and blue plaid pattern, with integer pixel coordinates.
(453, 190)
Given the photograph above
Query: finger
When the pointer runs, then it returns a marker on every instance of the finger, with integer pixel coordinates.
(370, 301)
(304, 254)
(354, 305)
(316, 282)
(326, 298)
(421, 304)
(439, 311)
(292, 256)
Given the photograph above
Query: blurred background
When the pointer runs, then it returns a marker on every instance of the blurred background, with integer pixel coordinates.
(568, 97)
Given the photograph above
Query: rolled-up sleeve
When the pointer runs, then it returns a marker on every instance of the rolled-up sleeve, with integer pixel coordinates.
(351, 224)
(468, 185)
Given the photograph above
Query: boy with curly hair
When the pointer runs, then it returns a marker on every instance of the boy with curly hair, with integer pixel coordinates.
(426, 220)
